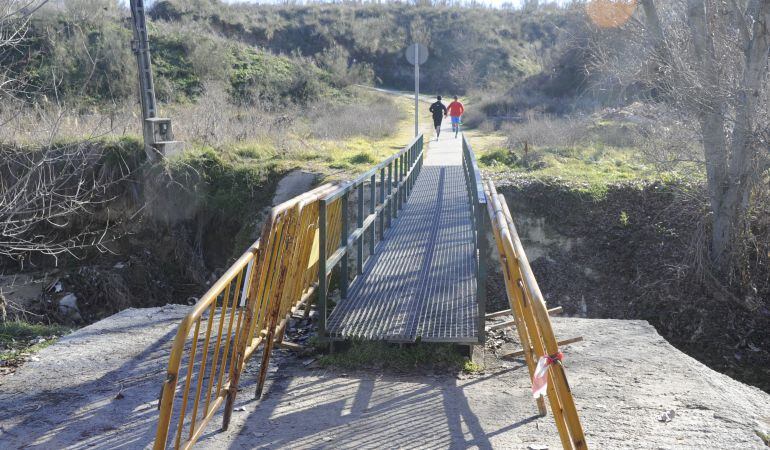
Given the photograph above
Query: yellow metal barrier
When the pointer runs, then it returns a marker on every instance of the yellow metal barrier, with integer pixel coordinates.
(532, 320)
(247, 307)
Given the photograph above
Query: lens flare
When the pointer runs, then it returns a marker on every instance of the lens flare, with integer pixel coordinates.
(610, 13)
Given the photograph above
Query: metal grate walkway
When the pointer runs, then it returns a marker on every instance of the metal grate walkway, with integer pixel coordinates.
(421, 281)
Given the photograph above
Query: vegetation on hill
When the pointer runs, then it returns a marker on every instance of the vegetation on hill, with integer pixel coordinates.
(470, 48)
(79, 52)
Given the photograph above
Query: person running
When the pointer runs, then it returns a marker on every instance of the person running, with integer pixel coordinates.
(439, 112)
(455, 110)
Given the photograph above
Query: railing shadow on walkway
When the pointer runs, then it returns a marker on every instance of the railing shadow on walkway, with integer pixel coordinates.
(361, 410)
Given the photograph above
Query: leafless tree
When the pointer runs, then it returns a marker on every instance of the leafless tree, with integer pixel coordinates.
(53, 201)
(51, 196)
(14, 17)
(708, 58)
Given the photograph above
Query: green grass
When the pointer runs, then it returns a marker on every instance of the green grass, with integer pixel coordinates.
(21, 339)
(589, 168)
(384, 356)
(597, 164)
(472, 367)
(337, 159)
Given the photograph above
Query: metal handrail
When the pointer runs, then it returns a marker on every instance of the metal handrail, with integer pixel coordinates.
(473, 174)
(247, 307)
(532, 320)
(478, 201)
(397, 175)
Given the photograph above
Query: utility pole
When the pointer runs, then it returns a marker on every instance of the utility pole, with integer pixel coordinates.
(157, 132)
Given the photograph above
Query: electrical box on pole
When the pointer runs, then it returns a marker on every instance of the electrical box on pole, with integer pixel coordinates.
(156, 131)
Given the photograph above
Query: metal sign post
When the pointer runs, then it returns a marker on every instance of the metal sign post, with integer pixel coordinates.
(416, 54)
(417, 95)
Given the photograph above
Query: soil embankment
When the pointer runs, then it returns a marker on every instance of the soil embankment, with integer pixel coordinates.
(165, 233)
(629, 254)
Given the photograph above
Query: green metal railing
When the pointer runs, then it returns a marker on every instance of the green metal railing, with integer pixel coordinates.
(478, 203)
(397, 175)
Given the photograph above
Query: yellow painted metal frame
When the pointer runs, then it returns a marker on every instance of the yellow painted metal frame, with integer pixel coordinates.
(532, 320)
(247, 307)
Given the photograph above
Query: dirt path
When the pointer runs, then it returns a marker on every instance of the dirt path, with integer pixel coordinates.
(624, 377)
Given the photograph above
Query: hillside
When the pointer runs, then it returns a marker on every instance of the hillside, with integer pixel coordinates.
(471, 48)
(79, 52)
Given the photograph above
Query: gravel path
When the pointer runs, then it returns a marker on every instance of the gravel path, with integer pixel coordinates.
(98, 388)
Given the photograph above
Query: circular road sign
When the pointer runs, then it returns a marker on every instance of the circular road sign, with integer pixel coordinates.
(415, 50)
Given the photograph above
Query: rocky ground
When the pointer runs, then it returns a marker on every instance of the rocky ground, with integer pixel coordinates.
(98, 388)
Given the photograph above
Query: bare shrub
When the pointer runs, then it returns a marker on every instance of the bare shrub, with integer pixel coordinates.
(375, 119)
(669, 146)
(547, 131)
(43, 123)
(475, 118)
(214, 121)
(49, 199)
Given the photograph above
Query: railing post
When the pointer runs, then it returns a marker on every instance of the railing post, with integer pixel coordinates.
(382, 203)
(420, 155)
(372, 205)
(409, 171)
(402, 176)
(481, 280)
(360, 224)
(322, 280)
(411, 166)
(390, 192)
(344, 243)
(406, 176)
(397, 179)
(396, 188)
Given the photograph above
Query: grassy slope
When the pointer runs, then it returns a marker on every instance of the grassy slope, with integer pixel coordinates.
(335, 159)
(590, 166)
(500, 45)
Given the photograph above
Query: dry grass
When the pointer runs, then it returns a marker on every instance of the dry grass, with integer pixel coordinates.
(548, 131)
(371, 119)
(328, 137)
(46, 123)
(214, 121)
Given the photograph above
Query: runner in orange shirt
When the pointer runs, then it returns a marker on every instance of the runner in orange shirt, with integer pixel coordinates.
(455, 111)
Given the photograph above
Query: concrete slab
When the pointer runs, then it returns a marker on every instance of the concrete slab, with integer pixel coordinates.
(97, 388)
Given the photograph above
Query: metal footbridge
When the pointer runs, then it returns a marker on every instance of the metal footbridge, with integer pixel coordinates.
(421, 280)
(396, 255)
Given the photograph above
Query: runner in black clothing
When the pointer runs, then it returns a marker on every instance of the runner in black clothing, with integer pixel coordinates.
(439, 112)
